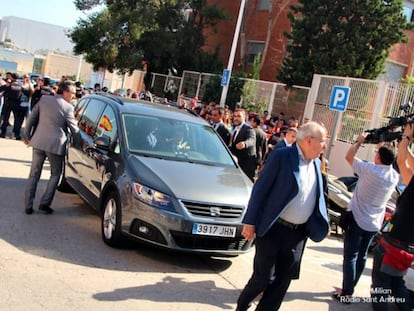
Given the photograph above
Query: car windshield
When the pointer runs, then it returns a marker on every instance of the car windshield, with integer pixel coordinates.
(175, 139)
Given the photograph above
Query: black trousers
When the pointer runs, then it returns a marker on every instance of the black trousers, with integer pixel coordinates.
(18, 112)
(276, 262)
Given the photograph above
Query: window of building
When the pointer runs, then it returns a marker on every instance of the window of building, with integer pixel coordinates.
(263, 5)
(254, 48)
(393, 72)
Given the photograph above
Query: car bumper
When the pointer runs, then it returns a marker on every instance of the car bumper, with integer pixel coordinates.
(175, 231)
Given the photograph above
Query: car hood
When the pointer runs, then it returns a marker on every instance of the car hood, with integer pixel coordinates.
(193, 181)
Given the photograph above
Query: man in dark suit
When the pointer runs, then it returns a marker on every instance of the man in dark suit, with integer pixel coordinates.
(243, 144)
(261, 141)
(51, 118)
(286, 206)
(218, 125)
(287, 138)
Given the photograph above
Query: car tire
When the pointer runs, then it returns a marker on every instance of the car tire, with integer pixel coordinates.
(111, 220)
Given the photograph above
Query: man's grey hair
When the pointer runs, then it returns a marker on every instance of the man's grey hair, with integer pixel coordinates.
(313, 129)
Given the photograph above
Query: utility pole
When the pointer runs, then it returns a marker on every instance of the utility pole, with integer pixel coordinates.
(232, 53)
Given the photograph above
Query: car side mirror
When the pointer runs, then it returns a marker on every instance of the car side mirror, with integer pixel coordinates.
(101, 143)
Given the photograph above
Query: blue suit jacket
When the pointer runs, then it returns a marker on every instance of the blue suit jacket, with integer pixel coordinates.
(276, 186)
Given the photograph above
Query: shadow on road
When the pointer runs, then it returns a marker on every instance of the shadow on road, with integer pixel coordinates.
(73, 234)
(176, 290)
(332, 304)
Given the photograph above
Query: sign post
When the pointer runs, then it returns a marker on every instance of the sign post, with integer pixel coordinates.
(225, 77)
(338, 102)
(339, 98)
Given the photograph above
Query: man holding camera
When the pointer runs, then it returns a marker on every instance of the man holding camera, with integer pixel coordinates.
(395, 252)
(376, 182)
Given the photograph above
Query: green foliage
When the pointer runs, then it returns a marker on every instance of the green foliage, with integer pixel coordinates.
(343, 37)
(250, 88)
(129, 31)
(213, 90)
(408, 79)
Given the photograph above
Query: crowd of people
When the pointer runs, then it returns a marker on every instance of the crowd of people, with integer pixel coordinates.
(288, 203)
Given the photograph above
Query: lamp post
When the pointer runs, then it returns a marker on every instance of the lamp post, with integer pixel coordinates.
(232, 52)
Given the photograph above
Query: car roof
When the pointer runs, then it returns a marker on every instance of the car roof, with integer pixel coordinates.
(138, 106)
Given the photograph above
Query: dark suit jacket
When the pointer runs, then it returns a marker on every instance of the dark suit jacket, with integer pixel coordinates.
(276, 186)
(248, 136)
(224, 133)
(246, 157)
(261, 145)
(280, 144)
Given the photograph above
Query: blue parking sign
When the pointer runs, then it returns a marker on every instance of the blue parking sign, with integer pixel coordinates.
(339, 98)
(225, 78)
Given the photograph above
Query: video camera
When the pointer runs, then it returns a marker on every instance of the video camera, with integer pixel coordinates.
(389, 133)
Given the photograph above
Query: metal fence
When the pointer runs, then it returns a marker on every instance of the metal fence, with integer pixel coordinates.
(258, 95)
(371, 104)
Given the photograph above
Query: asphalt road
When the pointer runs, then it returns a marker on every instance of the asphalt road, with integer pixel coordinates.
(59, 262)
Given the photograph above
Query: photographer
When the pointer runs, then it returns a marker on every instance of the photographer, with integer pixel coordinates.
(376, 183)
(395, 252)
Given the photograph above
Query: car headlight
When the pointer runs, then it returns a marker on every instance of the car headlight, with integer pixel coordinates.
(153, 197)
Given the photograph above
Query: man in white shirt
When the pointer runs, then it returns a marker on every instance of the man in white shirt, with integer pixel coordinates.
(376, 182)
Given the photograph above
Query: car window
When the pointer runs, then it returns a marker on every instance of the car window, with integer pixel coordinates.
(175, 139)
(79, 108)
(90, 116)
(107, 126)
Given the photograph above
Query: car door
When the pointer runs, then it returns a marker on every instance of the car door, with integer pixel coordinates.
(88, 122)
(97, 157)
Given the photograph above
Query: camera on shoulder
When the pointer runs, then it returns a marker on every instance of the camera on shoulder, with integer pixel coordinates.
(394, 129)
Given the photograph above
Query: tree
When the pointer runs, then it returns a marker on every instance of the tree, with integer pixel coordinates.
(276, 8)
(342, 37)
(128, 31)
(234, 94)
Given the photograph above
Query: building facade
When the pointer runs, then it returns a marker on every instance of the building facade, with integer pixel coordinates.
(266, 21)
(34, 36)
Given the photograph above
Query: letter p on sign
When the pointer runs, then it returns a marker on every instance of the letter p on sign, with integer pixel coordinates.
(339, 98)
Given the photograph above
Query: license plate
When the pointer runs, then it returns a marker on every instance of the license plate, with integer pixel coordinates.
(214, 230)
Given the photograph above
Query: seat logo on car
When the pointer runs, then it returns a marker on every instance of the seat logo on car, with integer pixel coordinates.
(215, 211)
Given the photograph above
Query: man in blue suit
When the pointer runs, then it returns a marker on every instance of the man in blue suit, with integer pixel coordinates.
(286, 206)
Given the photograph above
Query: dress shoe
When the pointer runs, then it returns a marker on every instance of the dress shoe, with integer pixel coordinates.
(29, 211)
(345, 299)
(46, 209)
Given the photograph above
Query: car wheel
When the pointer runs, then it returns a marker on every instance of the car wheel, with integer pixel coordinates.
(63, 185)
(111, 220)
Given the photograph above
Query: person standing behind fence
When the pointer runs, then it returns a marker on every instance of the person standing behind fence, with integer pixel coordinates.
(53, 115)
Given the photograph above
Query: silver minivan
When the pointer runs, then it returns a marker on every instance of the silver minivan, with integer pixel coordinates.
(159, 174)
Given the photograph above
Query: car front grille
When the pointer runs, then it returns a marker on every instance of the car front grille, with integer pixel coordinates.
(189, 241)
(213, 211)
